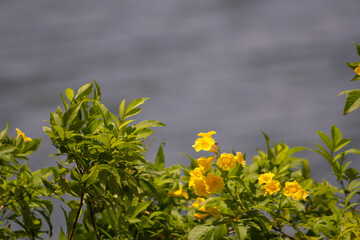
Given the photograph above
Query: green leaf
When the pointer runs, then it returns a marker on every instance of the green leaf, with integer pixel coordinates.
(147, 124)
(62, 235)
(135, 103)
(122, 109)
(348, 198)
(351, 173)
(240, 230)
(97, 92)
(325, 139)
(352, 100)
(305, 169)
(336, 134)
(84, 91)
(4, 132)
(355, 78)
(69, 93)
(354, 184)
(198, 231)
(357, 47)
(220, 232)
(64, 102)
(71, 113)
(353, 65)
(342, 143)
(270, 154)
(160, 159)
(134, 211)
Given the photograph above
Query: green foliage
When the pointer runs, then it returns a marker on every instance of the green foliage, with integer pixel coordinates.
(109, 190)
(353, 96)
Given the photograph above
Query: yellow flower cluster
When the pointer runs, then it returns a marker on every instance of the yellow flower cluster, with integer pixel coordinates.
(295, 191)
(181, 192)
(357, 70)
(204, 178)
(205, 211)
(205, 185)
(227, 160)
(291, 189)
(20, 133)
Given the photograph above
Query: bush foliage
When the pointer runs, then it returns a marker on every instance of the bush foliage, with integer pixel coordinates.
(110, 191)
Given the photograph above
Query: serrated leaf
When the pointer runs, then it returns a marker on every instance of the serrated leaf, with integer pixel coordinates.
(198, 231)
(325, 139)
(352, 100)
(135, 103)
(220, 232)
(84, 91)
(71, 113)
(148, 124)
(342, 143)
(240, 230)
(336, 134)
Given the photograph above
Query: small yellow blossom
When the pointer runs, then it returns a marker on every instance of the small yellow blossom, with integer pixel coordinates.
(265, 178)
(197, 203)
(181, 192)
(226, 161)
(204, 144)
(200, 187)
(214, 184)
(214, 211)
(195, 174)
(205, 163)
(240, 159)
(357, 70)
(20, 133)
(271, 187)
(207, 135)
(199, 216)
(295, 191)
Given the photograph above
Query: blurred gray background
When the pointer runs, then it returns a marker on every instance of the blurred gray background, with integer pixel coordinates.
(231, 66)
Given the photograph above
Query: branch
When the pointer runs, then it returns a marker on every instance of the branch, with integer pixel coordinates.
(77, 216)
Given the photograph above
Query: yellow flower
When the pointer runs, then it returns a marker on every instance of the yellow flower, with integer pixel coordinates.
(214, 211)
(195, 174)
(205, 163)
(179, 193)
(226, 161)
(199, 216)
(200, 187)
(240, 159)
(207, 135)
(214, 184)
(271, 187)
(204, 144)
(197, 203)
(357, 70)
(20, 133)
(265, 178)
(295, 191)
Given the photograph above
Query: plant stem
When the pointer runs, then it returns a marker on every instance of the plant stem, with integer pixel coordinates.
(238, 202)
(77, 216)
(93, 219)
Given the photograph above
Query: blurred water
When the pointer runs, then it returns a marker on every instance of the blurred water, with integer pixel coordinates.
(231, 66)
